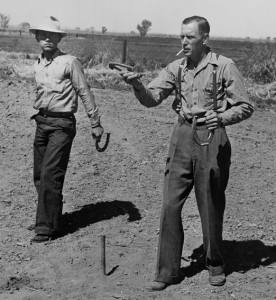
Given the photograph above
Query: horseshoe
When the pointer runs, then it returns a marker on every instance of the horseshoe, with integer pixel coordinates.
(197, 139)
(102, 149)
(118, 66)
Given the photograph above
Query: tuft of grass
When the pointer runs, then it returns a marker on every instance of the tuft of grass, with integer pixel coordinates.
(6, 72)
(263, 104)
(260, 65)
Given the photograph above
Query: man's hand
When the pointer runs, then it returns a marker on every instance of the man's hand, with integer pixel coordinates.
(176, 106)
(132, 79)
(213, 120)
(97, 132)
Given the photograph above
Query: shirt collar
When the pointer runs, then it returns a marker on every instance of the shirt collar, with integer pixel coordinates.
(53, 58)
(210, 58)
(207, 59)
(213, 58)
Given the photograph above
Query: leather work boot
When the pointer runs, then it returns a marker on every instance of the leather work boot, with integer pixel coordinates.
(157, 286)
(40, 238)
(216, 275)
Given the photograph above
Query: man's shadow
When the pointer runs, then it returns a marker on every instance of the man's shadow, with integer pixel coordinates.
(96, 212)
(240, 256)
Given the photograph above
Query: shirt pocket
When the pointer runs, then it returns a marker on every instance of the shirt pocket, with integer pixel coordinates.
(208, 92)
(208, 95)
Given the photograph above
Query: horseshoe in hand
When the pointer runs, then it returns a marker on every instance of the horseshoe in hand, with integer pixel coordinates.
(97, 141)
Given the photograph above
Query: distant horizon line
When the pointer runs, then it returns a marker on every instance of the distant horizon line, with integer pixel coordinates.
(133, 33)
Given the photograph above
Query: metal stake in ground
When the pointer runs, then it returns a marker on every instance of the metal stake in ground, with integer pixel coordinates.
(103, 266)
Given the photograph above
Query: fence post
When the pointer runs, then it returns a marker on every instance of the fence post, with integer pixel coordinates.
(124, 52)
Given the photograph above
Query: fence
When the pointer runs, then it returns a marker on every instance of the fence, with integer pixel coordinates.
(152, 53)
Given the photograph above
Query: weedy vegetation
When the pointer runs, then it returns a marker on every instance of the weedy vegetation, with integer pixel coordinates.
(256, 59)
(260, 64)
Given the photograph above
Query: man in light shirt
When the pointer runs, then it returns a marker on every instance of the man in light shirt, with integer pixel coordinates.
(60, 81)
(210, 96)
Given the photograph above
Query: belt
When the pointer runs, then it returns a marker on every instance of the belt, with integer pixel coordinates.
(189, 122)
(54, 114)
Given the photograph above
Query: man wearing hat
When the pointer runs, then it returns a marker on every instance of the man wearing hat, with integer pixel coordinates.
(60, 80)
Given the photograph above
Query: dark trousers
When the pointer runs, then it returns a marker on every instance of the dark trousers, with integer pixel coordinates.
(52, 146)
(207, 169)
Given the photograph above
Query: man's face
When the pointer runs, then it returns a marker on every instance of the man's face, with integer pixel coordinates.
(48, 40)
(192, 40)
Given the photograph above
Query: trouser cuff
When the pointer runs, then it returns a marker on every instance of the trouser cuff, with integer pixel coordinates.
(44, 230)
(214, 271)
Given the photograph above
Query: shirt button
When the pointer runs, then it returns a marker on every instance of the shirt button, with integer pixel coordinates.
(194, 103)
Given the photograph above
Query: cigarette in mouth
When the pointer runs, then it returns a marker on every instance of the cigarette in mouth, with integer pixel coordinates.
(179, 52)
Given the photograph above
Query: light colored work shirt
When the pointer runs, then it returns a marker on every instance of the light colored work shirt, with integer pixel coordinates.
(233, 103)
(60, 82)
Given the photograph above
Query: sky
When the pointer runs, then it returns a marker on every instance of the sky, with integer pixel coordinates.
(227, 18)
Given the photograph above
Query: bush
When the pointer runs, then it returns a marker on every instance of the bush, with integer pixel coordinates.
(261, 63)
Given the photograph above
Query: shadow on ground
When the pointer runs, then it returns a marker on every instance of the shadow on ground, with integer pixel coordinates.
(240, 256)
(96, 212)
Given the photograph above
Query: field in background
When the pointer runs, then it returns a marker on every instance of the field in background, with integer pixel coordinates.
(144, 52)
(255, 58)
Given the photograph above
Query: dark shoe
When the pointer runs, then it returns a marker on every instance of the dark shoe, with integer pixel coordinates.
(31, 227)
(39, 238)
(157, 286)
(216, 275)
(217, 280)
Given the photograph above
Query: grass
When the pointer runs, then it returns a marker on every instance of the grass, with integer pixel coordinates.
(260, 66)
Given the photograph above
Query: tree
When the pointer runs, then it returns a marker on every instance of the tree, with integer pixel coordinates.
(4, 21)
(104, 29)
(144, 27)
(25, 26)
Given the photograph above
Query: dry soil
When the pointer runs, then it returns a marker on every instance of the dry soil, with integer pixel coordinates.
(118, 193)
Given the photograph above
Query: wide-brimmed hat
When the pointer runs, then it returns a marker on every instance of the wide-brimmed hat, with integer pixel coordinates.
(50, 24)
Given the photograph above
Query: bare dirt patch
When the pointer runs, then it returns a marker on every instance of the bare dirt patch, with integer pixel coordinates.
(118, 193)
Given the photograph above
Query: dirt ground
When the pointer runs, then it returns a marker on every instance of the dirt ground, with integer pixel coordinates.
(118, 193)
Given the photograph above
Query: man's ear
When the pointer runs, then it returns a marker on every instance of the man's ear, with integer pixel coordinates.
(205, 38)
(60, 38)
